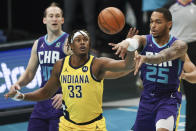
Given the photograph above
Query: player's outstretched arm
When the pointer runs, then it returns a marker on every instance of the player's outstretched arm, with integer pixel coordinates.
(177, 50)
(129, 44)
(50, 87)
(43, 93)
(114, 75)
(103, 64)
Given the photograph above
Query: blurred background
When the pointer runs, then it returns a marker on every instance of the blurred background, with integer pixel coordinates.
(21, 23)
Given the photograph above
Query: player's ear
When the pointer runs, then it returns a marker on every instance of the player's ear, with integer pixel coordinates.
(62, 20)
(71, 45)
(170, 25)
(44, 20)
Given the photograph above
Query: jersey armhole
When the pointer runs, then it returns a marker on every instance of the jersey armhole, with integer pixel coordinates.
(91, 72)
(61, 67)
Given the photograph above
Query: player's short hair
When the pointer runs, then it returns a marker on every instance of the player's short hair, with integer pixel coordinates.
(166, 13)
(53, 4)
(70, 38)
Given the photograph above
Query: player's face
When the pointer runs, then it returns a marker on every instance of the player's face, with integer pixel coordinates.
(159, 26)
(53, 19)
(81, 45)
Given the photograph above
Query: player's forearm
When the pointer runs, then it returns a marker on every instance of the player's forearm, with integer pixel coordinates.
(190, 77)
(130, 63)
(153, 59)
(25, 79)
(37, 95)
(171, 53)
(115, 75)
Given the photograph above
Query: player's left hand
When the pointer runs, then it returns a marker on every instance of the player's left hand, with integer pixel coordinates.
(121, 48)
(57, 101)
(132, 32)
(10, 94)
(139, 60)
(15, 95)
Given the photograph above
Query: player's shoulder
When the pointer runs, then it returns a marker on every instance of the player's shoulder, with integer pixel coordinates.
(98, 61)
(180, 42)
(38, 39)
(102, 59)
(36, 42)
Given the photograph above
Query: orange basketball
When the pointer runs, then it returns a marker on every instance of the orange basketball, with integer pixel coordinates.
(111, 20)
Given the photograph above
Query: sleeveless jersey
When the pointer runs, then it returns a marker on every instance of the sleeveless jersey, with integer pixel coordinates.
(160, 78)
(82, 93)
(48, 54)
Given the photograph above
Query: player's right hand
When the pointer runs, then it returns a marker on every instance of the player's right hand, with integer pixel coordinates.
(57, 101)
(139, 60)
(13, 90)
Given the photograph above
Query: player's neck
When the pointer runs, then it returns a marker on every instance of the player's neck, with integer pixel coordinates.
(162, 40)
(184, 2)
(78, 60)
(53, 35)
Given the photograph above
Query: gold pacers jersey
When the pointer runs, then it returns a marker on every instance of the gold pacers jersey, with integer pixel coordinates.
(82, 93)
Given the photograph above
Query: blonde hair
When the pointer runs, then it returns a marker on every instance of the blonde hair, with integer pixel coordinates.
(53, 4)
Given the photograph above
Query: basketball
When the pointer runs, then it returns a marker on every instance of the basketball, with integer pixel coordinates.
(111, 20)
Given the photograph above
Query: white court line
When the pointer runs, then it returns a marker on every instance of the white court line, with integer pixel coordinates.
(126, 102)
(127, 109)
(135, 110)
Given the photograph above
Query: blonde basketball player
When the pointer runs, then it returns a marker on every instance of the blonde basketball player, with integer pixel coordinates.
(81, 78)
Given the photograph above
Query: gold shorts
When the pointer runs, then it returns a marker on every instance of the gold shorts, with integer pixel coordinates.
(65, 125)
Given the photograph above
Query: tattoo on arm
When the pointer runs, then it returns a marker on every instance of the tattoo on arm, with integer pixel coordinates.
(130, 56)
(177, 50)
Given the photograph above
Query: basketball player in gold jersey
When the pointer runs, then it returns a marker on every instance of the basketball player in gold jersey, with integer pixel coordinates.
(81, 78)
